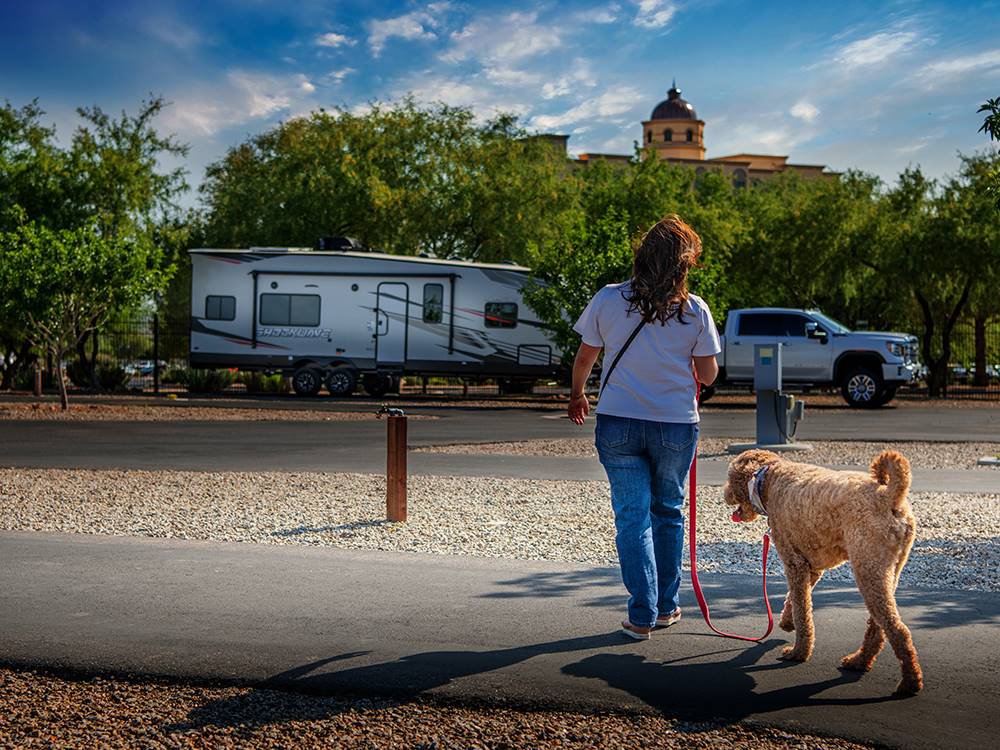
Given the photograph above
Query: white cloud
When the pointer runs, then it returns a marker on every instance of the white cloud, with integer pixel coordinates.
(305, 85)
(804, 110)
(580, 77)
(337, 76)
(875, 49)
(417, 24)
(959, 66)
(174, 33)
(483, 101)
(917, 145)
(654, 14)
(503, 40)
(241, 97)
(600, 15)
(503, 76)
(333, 39)
(605, 106)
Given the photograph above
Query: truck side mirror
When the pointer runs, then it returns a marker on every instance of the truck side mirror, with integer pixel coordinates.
(813, 331)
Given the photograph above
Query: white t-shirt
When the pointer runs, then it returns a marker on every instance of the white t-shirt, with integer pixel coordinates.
(653, 379)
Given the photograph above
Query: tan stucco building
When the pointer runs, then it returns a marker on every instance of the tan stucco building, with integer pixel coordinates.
(674, 133)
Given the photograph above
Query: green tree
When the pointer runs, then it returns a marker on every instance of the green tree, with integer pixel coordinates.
(122, 182)
(977, 225)
(991, 126)
(571, 267)
(113, 175)
(401, 178)
(65, 283)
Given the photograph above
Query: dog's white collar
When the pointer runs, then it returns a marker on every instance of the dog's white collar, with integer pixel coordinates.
(754, 487)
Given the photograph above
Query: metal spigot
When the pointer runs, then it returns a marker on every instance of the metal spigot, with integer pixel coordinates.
(391, 411)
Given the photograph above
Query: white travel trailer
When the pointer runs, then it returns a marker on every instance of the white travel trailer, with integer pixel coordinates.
(336, 317)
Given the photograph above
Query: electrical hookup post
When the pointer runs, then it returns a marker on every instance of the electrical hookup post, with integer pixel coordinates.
(395, 464)
(778, 413)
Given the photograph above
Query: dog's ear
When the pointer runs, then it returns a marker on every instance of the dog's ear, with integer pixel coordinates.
(741, 469)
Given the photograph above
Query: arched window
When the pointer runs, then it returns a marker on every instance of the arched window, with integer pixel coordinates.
(668, 134)
(690, 135)
(739, 178)
(649, 136)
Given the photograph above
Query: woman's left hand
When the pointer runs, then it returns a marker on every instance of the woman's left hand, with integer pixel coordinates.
(579, 408)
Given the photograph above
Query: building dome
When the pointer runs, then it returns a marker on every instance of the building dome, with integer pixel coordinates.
(674, 108)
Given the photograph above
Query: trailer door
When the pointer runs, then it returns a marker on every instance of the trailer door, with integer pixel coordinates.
(391, 323)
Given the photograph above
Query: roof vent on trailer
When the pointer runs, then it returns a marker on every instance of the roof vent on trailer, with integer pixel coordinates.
(340, 244)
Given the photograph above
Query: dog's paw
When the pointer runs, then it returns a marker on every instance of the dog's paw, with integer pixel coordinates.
(909, 686)
(787, 625)
(791, 653)
(856, 662)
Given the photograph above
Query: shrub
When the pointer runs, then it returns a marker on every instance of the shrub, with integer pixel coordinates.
(110, 375)
(202, 381)
(259, 382)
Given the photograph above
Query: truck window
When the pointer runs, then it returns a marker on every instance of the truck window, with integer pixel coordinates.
(772, 324)
(501, 315)
(289, 309)
(433, 303)
(220, 308)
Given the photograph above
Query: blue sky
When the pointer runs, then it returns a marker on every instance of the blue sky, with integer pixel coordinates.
(847, 84)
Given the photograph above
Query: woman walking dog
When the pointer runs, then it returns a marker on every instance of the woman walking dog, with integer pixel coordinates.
(657, 338)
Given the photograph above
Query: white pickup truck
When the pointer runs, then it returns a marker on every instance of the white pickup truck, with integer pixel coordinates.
(818, 351)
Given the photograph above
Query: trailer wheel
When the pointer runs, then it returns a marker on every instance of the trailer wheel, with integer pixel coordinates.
(307, 381)
(376, 383)
(341, 380)
(512, 386)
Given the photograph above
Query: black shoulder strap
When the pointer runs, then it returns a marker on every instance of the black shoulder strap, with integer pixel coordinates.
(614, 362)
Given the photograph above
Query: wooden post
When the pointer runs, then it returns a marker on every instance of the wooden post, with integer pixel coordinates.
(395, 475)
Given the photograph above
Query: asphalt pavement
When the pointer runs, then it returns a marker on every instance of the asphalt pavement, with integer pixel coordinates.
(335, 621)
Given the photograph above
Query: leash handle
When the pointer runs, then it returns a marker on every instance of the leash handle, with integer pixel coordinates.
(693, 546)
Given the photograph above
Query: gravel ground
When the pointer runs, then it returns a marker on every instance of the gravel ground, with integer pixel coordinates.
(831, 452)
(43, 711)
(89, 412)
(958, 538)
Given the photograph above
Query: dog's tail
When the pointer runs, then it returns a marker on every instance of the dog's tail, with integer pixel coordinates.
(892, 471)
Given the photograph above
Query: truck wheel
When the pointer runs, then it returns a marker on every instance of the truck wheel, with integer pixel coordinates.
(888, 394)
(376, 383)
(341, 380)
(863, 388)
(307, 381)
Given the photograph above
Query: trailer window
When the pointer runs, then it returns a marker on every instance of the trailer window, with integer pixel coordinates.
(501, 315)
(433, 303)
(220, 308)
(289, 309)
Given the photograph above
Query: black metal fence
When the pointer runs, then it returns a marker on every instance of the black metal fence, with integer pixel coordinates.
(150, 355)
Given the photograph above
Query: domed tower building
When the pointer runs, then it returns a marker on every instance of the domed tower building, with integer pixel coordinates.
(675, 134)
(674, 131)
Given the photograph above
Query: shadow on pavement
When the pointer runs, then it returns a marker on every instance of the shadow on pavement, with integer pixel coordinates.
(687, 689)
(400, 678)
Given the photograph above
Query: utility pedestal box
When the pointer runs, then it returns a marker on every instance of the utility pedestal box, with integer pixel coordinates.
(778, 414)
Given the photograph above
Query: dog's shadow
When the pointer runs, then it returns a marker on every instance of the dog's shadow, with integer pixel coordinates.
(701, 690)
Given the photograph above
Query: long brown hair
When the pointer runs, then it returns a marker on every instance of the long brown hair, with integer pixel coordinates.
(658, 288)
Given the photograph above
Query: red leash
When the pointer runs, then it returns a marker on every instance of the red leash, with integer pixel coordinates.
(692, 486)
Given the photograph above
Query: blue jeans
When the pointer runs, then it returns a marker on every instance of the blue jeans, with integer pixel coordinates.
(647, 463)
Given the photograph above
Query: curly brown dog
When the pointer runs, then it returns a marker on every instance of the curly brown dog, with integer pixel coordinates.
(821, 518)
